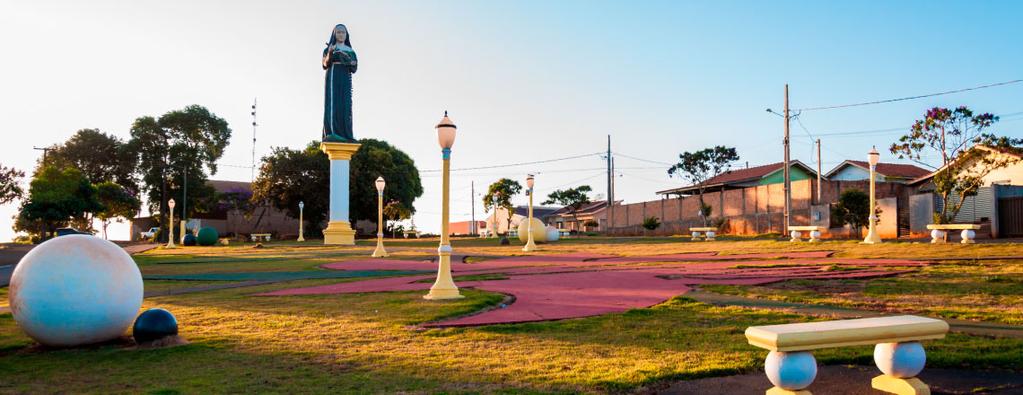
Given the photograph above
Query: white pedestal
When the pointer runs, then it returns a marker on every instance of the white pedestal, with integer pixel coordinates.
(339, 231)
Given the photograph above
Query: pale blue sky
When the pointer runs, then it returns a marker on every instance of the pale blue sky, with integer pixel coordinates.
(524, 80)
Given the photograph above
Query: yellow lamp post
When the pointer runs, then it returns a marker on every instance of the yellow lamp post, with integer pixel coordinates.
(170, 232)
(444, 287)
(301, 209)
(530, 245)
(380, 252)
(872, 237)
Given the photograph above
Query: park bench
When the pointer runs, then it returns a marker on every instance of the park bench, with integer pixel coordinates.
(796, 232)
(897, 352)
(708, 233)
(938, 232)
(260, 236)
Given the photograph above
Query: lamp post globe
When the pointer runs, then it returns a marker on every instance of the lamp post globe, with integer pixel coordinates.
(444, 287)
(380, 252)
(301, 210)
(530, 244)
(170, 224)
(873, 157)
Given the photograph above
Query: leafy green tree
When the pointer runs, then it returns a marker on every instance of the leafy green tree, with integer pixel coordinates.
(951, 134)
(100, 156)
(376, 158)
(10, 184)
(56, 197)
(287, 177)
(651, 223)
(499, 195)
(118, 203)
(395, 211)
(181, 145)
(699, 166)
(573, 198)
(853, 208)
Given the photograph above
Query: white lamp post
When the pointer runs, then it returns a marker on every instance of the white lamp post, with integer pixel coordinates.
(530, 245)
(872, 238)
(444, 287)
(170, 232)
(380, 252)
(301, 209)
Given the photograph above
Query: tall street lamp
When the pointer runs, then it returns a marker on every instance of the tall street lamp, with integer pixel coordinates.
(530, 245)
(872, 237)
(170, 239)
(380, 252)
(444, 287)
(301, 209)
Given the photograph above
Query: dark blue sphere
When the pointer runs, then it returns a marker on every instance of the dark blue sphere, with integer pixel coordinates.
(189, 240)
(154, 324)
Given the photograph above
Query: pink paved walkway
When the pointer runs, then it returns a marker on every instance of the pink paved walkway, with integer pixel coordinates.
(551, 287)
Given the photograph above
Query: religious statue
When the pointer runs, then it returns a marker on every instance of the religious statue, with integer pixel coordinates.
(340, 63)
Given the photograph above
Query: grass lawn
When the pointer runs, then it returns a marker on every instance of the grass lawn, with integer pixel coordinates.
(364, 343)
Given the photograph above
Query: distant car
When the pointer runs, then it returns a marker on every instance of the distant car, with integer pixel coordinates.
(70, 231)
(149, 234)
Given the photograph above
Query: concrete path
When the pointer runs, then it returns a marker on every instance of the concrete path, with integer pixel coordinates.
(551, 287)
(854, 380)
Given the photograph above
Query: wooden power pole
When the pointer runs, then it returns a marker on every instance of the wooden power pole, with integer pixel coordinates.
(818, 171)
(788, 180)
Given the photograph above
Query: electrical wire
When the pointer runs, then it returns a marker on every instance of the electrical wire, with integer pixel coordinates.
(910, 97)
(643, 160)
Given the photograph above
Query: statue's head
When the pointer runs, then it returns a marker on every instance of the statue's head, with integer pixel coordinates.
(340, 35)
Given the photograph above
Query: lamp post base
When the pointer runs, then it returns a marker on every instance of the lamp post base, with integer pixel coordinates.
(872, 238)
(444, 287)
(339, 233)
(380, 252)
(529, 247)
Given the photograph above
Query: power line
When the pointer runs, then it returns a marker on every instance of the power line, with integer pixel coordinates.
(643, 160)
(910, 97)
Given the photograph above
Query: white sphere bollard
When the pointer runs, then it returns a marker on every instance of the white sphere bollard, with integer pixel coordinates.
(696, 235)
(815, 235)
(74, 290)
(791, 371)
(711, 235)
(937, 236)
(553, 234)
(795, 235)
(968, 235)
(901, 360)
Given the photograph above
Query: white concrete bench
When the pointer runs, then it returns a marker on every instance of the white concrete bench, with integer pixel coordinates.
(897, 352)
(707, 233)
(260, 236)
(796, 232)
(938, 232)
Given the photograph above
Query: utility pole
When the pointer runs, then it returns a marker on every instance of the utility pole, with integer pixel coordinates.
(252, 171)
(610, 193)
(818, 171)
(45, 150)
(788, 180)
(472, 200)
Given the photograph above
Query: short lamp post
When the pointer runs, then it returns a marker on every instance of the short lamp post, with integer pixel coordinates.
(444, 287)
(301, 210)
(530, 245)
(170, 239)
(872, 237)
(380, 252)
(493, 205)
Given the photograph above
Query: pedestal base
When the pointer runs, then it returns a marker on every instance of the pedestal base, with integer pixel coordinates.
(782, 391)
(441, 294)
(339, 233)
(910, 386)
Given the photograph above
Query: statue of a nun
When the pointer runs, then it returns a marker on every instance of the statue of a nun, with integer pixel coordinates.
(340, 63)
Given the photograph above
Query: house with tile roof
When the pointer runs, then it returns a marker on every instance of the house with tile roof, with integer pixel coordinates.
(746, 177)
(857, 170)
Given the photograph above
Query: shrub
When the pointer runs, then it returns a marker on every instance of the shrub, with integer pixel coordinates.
(651, 223)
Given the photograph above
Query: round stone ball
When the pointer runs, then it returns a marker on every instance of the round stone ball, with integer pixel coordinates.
(900, 360)
(539, 230)
(553, 234)
(792, 371)
(189, 240)
(207, 236)
(937, 234)
(154, 324)
(74, 290)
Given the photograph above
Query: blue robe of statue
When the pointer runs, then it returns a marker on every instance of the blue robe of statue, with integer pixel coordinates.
(337, 106)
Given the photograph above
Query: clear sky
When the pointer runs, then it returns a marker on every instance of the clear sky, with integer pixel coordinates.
(524, 80)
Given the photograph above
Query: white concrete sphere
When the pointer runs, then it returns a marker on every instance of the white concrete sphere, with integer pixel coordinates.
(792, 371)
(539, 230)
(968, 234)
(74, 290)
(696, 235)
(795, 234)
(553, 234)
(937, 234)
(901, 360)
(815, 234)
(711, 234)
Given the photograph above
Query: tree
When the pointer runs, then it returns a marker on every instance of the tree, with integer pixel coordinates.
(101, 157)
(10, 184)
(118, 203)
(287, 177)
(181, 145)
(56, 197)
(376, 158)
(499, 195)
(651, 223)
(395, 211)
(573, 198)
(699, 166)
(952, 134)
(853, 208)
